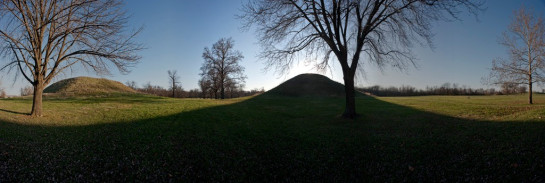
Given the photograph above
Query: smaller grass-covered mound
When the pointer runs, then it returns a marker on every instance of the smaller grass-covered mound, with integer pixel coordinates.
(314, 85)
(88, 86)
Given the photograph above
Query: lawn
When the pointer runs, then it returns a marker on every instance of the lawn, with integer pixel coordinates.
(280, 139)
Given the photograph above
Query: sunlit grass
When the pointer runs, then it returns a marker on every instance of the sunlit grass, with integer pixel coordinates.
(495, 108)
(91, 110)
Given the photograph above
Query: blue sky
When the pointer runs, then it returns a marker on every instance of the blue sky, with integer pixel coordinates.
(176, 32)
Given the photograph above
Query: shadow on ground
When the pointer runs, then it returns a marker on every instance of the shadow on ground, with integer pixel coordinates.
(14, 112)
(282, 140)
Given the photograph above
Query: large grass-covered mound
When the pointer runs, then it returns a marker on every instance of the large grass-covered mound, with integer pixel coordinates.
(87, 86)
(309, 85)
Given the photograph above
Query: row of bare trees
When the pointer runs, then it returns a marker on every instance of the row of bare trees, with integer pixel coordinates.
(445, 89)
(179, 92)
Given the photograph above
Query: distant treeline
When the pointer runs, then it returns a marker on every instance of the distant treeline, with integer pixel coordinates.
(445, 89)
(179, 92)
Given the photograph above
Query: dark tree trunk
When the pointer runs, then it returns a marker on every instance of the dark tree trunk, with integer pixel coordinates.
(222, 91)
(350, 108)
(37, 100)
(530, 93)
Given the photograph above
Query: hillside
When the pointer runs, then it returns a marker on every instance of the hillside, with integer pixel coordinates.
(309, 85)
(87, 86)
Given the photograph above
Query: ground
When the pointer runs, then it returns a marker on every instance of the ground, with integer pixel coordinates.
(270, 138)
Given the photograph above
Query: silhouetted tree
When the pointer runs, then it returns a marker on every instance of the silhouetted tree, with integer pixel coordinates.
(525, 41)
(205, 84)
(173, 78)
(221, 65)
(131, 84)
(45, 37)
(382, 30)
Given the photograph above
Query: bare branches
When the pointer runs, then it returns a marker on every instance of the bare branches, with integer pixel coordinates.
(174, 81)
(525, 41)
(52, 35)
(221, 67)
(45, 37)
(383, 30)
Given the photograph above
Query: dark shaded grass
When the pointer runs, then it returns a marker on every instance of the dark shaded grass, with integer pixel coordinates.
(278, 139)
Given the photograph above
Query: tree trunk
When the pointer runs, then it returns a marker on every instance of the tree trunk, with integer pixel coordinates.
(37, 100)
(530, 93)
(350, 108)
(222, 92)
(222, 89)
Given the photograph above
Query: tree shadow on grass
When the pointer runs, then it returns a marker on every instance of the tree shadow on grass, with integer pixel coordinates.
(279, 139)
(14, 112)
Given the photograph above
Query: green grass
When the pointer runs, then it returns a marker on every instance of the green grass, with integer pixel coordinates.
(270, 138)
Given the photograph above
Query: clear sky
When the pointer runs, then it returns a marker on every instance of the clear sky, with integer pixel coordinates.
(176, 32)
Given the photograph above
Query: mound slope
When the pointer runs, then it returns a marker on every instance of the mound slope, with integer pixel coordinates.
(87, 86)
(309, 85)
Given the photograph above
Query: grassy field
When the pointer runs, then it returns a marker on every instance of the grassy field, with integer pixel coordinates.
(267, 138)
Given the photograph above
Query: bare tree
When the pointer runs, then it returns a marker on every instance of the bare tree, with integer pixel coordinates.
(204, 84)
(173, 78)
(2, 91)
(382, 30)
(27, 91)
(525, 41)
(45, 37)
(221, 65)
(209, 82)
(131, 84)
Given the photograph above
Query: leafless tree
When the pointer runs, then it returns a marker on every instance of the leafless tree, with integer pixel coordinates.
(221, 65)
(381, 30)
(209, 82)
(205, 85)
(525, 41)
(45, 37)
(27, 91)
(2, 91)
(173, 78)
(131, 84)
